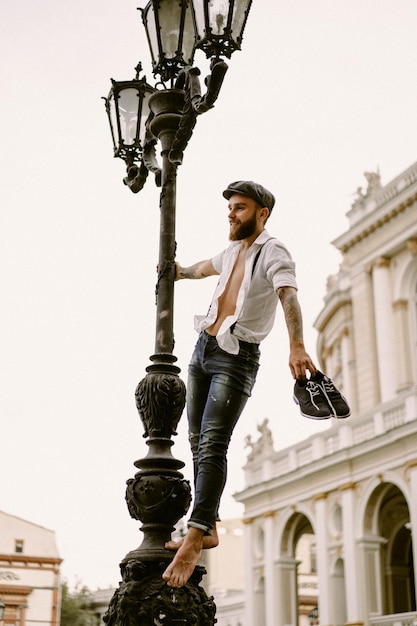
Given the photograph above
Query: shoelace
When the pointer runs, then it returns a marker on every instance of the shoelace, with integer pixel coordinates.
(314, 390)
(328, 386)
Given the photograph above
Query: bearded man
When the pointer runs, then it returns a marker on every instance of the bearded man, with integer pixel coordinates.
(255, 271)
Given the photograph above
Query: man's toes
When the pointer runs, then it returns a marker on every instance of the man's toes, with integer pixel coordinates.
(167, 574)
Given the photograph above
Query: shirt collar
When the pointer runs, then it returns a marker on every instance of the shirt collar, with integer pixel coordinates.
(262, 238)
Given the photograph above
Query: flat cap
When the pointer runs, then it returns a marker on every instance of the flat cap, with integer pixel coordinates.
(253, 190)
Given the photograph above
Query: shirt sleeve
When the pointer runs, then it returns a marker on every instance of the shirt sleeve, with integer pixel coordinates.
(217, 262)
(279, 266)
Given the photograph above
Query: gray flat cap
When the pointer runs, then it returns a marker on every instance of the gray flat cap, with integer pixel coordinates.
(253, 190)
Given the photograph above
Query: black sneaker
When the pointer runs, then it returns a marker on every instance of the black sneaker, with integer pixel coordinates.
(311, 400)
(337, 402)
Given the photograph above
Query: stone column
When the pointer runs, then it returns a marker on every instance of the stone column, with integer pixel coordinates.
(404, 367)
(385, 332)
(352, 572)
(249, 586)
(286, 591)
(259, 596)
(347, 371)
(270, 594)
(322, 559)
(365, 352)
(370, 547)
(411, 473)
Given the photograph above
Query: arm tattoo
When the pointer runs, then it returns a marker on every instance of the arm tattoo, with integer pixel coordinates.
(292, 313)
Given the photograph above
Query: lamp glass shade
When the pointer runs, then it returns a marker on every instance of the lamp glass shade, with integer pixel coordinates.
(220, 25)
(152, 31)
(129, 114)
(128, 108)
(170, 28)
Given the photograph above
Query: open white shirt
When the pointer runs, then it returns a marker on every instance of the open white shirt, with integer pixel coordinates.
(257, 299)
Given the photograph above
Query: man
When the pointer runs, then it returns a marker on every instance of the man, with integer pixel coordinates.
(255, 271)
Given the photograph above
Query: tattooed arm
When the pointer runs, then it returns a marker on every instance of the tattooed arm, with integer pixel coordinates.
(202, 269)
(299, 360)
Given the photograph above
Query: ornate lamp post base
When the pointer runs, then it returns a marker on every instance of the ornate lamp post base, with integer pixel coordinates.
(144, 599)
(158, 496)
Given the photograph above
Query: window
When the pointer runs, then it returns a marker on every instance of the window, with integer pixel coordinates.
(18, 545)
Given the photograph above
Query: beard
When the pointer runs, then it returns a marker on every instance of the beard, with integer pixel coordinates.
(239, 231)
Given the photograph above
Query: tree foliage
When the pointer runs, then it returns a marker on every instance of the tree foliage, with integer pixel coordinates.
(75, 606)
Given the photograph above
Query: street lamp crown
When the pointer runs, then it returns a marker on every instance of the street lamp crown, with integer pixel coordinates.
(176, 28)
(220, 25)
(171, 33)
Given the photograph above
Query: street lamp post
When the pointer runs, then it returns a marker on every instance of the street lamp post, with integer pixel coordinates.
(140, 117)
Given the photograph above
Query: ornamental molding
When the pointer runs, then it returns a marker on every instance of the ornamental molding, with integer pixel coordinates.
(410, 465)
(400, 305)
(320, 496)
(411, 245)
(30, 562)
(379, 223)
(347, 486)
(8, 575)
(381, 262)
(15, 590)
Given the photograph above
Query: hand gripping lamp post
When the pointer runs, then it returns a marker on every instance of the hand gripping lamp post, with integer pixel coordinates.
(140, 116)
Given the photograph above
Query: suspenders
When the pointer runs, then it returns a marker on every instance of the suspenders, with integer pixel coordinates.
(255, 260)
(258, 254)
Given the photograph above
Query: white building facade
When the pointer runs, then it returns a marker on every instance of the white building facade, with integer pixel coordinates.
(348, 494)
(29, 573)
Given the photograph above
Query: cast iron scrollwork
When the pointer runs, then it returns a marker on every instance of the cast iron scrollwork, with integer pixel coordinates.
(151, 497)
(144, 599)
(194, 104)
(160, 400)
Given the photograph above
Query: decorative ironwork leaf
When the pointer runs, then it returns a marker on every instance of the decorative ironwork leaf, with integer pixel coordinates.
(160, 400)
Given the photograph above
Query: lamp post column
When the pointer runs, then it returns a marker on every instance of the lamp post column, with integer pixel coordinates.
(166, 107)
(158, 495)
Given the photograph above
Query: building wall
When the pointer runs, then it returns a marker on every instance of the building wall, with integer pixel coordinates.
(29, 573)
(225, 567)
(377, 281)
(352, 489)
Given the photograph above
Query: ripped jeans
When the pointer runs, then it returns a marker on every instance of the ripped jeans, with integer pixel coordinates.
(219, 385)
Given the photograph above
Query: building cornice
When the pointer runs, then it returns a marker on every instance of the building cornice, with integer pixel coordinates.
(15, 590)
(370, 224)
(19, 560)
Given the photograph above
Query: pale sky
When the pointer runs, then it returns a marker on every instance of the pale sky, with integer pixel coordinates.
(321, 92)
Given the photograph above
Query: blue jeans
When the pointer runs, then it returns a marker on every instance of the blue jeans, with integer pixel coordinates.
(219, 385)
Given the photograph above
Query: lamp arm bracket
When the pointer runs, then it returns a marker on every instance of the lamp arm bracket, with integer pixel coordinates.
(149, 155)
(194, 103)
(137, 175)
(213, 82)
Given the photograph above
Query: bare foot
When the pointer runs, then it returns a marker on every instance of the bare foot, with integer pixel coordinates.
(209, 541)
(188, 554)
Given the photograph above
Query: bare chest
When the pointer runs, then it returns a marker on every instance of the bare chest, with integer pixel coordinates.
(231, 290)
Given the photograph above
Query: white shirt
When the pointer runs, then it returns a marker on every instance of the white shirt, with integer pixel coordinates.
(257, 299)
